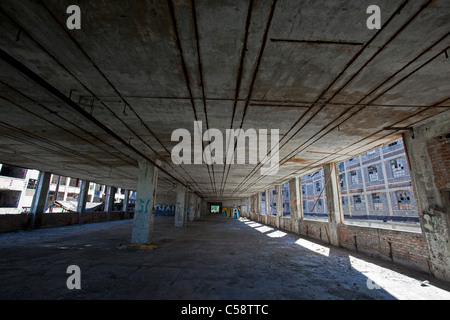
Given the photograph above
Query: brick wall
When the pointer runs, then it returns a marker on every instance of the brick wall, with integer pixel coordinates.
(439, 151)
(16, 222)
(405, 248)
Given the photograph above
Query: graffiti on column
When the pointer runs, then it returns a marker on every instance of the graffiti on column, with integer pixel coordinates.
(141, 213)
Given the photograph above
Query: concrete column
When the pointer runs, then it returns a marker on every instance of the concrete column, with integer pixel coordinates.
(258, 203)
(333, 203)
(82, 199)
(191, 206)
(267, 204)
(144, 213)
(40, 199)
(126, 201)
(180, 207)
(279, 202)
(295, 201)
(198, 208)
(66, 189)
(109, 202)
(256, 206)
(428, 149)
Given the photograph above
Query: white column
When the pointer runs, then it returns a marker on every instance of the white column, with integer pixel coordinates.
(279, 202)
(144, 214)
(295, 203)
(180, 207)
(333, 204)
(39, 201)
(82, 199)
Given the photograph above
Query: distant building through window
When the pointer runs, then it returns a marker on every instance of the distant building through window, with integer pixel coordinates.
(385, 192)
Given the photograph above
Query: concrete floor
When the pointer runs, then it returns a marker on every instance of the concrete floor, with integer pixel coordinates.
(215, 258)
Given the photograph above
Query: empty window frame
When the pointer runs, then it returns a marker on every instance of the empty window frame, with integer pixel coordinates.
(32, 184)
(403, 200)
(373, 173)
(314, 195)
(9, 198)
(384, 192)
(263, 202)
(13, 172)
(377, 202)
(354, 178)
(273, 202)
(357, 202)
(397, 167)
(285, 200)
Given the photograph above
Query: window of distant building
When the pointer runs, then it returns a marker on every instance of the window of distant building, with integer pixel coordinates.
(31, 184)
(354, 177)
(318, 189)
(376, 200)
(393, 144)
(13, 172)
(263, 202)
(357, 202)
(285, 200)
(403, 200)
(341, 180)
(397, 167)
(373, 173)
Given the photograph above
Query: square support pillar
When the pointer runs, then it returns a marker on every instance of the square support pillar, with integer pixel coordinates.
(82, 199)
(267, 205)
(427, 148)
(39, 201)
(258, 205)
(279, 204)
(333, 204)
(109, 202)
(126, 202)
(295, 202)
(144, 213)
(198, 211)
(191, 206)
(180, 207)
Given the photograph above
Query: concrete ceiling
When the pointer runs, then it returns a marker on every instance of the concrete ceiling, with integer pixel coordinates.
(90, 103)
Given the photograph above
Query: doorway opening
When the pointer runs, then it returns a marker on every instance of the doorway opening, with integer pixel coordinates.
(215, 207)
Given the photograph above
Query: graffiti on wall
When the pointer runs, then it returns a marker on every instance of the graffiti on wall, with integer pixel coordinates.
(231, 212)
(165, 209)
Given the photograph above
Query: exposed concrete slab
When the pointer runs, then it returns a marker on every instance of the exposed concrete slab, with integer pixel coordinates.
(202, 261)
(311, 69)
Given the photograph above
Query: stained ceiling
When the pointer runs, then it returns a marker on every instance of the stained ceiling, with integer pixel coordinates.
(91, 102)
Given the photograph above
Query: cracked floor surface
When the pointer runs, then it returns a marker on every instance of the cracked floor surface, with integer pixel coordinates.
(215, 258)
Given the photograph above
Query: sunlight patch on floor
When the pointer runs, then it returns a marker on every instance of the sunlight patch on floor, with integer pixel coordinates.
(317, 248)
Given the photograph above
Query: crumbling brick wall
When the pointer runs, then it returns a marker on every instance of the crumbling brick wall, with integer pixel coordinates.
(439, 151)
